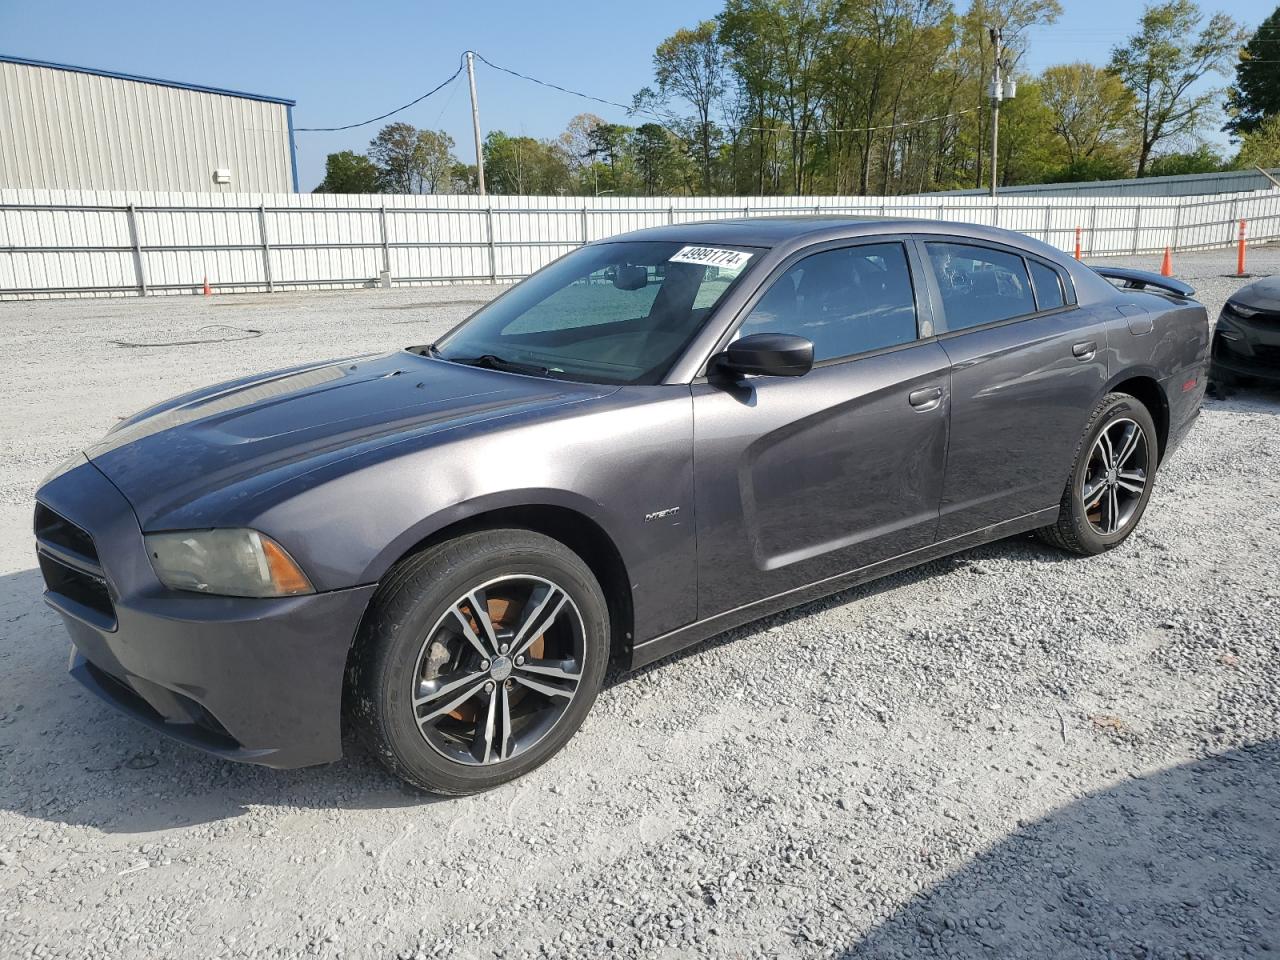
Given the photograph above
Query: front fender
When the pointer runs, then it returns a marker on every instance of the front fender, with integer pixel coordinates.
(475, 507)
(626, 464)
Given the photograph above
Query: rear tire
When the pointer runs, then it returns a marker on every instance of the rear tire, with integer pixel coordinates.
(478, 659)
(1111, 478)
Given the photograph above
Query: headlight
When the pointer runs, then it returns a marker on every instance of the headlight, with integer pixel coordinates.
(1241, 311)
(232, 563)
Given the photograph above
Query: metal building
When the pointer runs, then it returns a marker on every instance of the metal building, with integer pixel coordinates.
(1184, 185)
(67, 127)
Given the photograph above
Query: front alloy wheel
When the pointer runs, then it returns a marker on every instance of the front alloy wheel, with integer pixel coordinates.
(499, 669)
(478, 659)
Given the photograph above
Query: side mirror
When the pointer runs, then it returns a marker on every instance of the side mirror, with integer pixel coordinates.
(769, 355)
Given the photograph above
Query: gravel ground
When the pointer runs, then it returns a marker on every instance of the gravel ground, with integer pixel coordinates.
(1008, 753)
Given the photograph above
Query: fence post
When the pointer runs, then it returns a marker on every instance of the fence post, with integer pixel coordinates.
(586, 234)
(139, 271)
(266, 248)
(1235, 217)
(1093, 225)
(1137, 228)
(386, 241)
(1177, 225)
(671, 213)
(493, 248)
(1048, 221)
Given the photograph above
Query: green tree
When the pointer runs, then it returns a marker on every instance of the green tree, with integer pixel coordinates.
(1013, 18)
(662, 165)
(1028, 148)
(349, 172)
(1203, 159)
(523, 165)
(1256, 92)
(689, 65)
(1092, 111)
(412, 160)
(1261, 146)
(1162, 63)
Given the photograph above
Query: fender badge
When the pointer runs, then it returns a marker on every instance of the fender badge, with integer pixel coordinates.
(659, 514)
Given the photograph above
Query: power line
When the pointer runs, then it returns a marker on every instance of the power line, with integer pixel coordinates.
(390, 113)
(553, 86)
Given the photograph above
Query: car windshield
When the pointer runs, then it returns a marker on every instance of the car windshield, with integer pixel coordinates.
(606, 313)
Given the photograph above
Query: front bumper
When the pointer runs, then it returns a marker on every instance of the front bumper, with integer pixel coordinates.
(247, 679)
(1247, 346)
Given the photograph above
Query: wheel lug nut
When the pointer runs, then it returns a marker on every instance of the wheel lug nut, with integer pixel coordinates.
(503, 648)
(509, 684)
(519, 661)
(484, 664)
(489, 686)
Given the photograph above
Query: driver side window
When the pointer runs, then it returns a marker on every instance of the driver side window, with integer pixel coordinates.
(847, 301)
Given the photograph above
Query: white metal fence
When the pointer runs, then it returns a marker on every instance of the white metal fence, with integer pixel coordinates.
(87, 243)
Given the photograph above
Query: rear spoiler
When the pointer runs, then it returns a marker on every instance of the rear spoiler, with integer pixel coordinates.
(1141, 279)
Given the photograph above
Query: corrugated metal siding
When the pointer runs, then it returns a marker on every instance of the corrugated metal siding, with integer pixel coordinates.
(61, 129)
(1194, 184)
(69, 242)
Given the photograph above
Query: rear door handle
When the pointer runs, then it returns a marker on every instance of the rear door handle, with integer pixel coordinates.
(1085, 350)
(926, 398)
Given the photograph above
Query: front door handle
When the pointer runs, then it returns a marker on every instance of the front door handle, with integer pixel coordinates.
(926, 398)
(1085, 350)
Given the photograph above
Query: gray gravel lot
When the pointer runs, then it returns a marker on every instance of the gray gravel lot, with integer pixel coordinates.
(1008, 753)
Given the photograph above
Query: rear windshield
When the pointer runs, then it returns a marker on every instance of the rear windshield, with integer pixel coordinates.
(607, 313)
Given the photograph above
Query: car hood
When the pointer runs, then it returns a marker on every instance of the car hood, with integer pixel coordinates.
(1260, 295)
(235, 440)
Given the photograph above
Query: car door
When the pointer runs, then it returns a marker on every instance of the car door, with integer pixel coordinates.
(800, 479)
(1027, 367)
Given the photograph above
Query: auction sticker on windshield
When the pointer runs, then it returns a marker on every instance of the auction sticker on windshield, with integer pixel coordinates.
(712, 257)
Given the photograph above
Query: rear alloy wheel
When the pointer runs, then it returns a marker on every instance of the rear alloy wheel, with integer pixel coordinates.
(1111, 479)
(478, 660)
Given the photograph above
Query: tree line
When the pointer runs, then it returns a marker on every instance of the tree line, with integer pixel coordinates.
(888, 97)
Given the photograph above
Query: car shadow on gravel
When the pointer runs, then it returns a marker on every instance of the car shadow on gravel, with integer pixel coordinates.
(67, 757)
(1184, 862)
(1023, 548)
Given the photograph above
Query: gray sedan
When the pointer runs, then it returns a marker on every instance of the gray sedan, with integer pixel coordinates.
(655, 438)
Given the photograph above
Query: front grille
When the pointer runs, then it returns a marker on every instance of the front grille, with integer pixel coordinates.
(72, 574)
(58, 531)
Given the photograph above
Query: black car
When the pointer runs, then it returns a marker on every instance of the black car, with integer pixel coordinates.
(1246, 342)
(656, 438)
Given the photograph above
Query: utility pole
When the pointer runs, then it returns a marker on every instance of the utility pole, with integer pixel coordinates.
(1002, 88)
(997, 94)
(475, 121)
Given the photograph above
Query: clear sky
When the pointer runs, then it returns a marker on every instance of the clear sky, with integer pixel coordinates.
(347, 61)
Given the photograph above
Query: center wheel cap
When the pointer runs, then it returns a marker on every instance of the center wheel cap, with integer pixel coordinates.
(500, 669)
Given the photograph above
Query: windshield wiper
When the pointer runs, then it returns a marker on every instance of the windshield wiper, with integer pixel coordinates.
(492, 361)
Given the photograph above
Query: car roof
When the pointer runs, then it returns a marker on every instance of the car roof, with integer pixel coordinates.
(800, 230)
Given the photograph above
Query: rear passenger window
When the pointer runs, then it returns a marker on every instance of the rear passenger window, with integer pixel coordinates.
(846, 301)
(980, 285)
(1048, 284)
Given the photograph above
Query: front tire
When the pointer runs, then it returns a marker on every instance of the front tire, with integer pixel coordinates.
(478, 660)
(1111, 478)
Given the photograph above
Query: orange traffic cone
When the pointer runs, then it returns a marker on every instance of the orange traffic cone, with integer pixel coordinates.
(207, 290)
(1166, 267)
